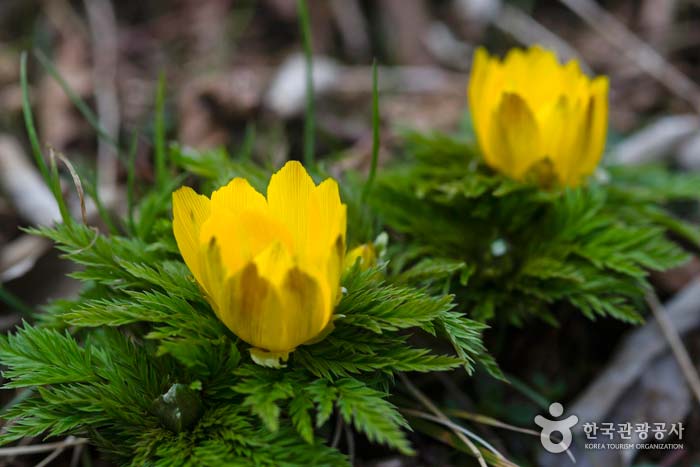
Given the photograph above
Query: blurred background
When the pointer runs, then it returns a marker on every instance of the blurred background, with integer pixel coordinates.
(235, 68)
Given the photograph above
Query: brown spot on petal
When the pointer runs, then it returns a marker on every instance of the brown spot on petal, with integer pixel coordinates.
(254, 289)
(305, 293)
(339, 246)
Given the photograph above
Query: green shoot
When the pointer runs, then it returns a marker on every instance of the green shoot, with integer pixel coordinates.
(310, 120)
(375, 132)
(159, 133)
(51, 181)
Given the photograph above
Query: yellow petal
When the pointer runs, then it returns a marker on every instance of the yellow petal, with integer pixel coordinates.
(366, 254)
(585, 134)
(561, 140)
(305, 300)
(212, 272)
(332, 213)
(271, 267)
(250, 307)
(288, 198)
(539, 76)
(190, 211)
(243, 236)
(596, 125)
(478, 75)
(274, 262)
(307, 307)
(477, 92)
(238, 196)
(223, 231)
(485, 94)
(327, 245)
(514, 138)
(531, 113)
(334, 269)
(274, 305)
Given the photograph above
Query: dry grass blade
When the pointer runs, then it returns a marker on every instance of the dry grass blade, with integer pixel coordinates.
(77, 455)
(23, 185)
(18, 256)
(337, 431)
(350, 440)
(38, 448)
(635, 354)
(103, 30)
(642, 53)
(76, 180)
(483, 419)
(676, 344)
(528, 31)
(433, 408)
(492, 457)
(453, 426)
(50, 458)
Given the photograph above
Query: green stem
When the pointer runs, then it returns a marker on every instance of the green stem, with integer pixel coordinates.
(159, 137)
(51, 181)
(131, 181)
(375, 132)
(75, 99)
(15, 302)
(310, 120)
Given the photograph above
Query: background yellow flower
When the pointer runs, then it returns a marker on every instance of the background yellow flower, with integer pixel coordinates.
(269, 267)
(536, 118)
(366, 254)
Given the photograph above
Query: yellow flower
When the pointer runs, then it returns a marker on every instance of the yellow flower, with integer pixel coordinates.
(536, 118)
(270, 268)
(366, 254)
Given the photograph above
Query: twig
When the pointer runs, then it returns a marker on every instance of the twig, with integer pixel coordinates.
(103, 31)
(636, 49)
(463, 400)
(674, 341)
(337, 431)
(352, 26)
(350, 440)
(38, 448)
(453, 426)
(526, 30)
(10, 460)
(9, 321)
(475, 417)
(433, 408)
(77, 454)
(636, 351)
(657, 140)
(24, 186)
(19, 255)
(48, 459)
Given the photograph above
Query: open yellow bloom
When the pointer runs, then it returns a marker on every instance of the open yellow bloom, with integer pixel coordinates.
(269, 267)
(366, 254)
(536, 118)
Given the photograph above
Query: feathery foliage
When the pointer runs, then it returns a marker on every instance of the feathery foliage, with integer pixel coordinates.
(510, 250)
(141, 365)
